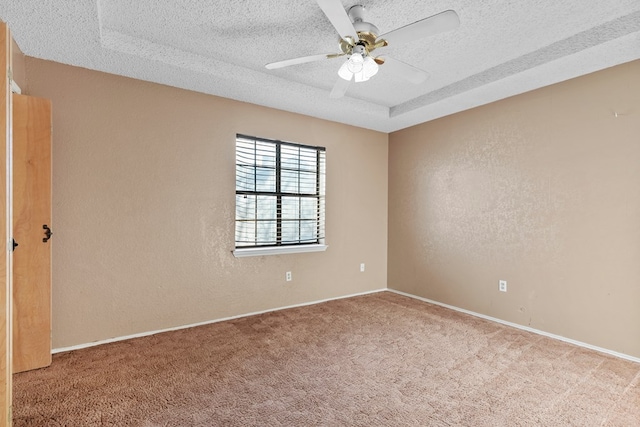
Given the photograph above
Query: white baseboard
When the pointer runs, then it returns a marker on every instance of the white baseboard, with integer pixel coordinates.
(208, 322)
(525, 328)
(462, 310)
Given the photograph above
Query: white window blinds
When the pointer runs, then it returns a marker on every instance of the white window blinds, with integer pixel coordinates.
(280, 189)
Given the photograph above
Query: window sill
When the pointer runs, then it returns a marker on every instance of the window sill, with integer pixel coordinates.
(239, 253)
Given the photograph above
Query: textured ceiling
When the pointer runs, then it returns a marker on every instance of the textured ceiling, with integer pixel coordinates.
(501, 48)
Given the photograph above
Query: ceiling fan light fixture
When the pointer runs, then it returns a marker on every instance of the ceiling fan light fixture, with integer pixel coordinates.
(363, 70)
(344, 72)
(355, 64)
(360, 77)
(370, 67)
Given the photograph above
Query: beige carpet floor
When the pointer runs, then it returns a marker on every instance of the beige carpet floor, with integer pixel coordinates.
(375, 360)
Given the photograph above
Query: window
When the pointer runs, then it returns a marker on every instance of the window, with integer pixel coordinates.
(280, 189)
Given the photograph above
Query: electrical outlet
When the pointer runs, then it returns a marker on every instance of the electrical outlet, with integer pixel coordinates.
(362, 268)
(503, 286)
(288, 276)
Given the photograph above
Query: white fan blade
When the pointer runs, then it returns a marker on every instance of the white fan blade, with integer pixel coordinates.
(406, 71)
(444, 21)
(338, 18)
(340, 88)
(296, 61)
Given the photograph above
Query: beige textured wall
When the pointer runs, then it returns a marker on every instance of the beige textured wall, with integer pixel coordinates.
(143, 215)
(541, 190)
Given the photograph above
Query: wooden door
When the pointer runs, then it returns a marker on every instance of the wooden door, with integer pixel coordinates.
(31, 213)
(5, 223)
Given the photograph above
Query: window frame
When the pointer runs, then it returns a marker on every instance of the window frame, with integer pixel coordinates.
(279, 246)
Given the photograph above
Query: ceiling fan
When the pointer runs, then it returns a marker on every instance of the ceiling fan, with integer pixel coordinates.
(359, 38)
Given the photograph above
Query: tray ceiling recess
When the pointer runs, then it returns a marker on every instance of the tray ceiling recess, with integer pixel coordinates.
(482, 52)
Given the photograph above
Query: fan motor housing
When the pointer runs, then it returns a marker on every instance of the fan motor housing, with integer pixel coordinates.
(367, 32)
